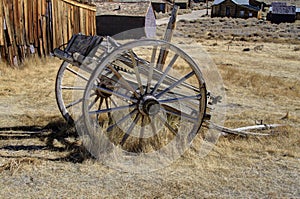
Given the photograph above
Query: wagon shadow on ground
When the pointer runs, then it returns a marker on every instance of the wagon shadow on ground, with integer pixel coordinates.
(57, 137)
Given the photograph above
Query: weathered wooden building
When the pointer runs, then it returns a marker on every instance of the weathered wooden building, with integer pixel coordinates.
(280, 12)
(30, 27)
(234, 8)
(125, 20)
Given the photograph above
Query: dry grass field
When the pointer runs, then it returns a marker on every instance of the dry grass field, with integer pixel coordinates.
(41, 158)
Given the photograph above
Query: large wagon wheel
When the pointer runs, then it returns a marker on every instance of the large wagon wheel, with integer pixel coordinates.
(68, 90)
(63, 90)
(70, 84)
(137, 102)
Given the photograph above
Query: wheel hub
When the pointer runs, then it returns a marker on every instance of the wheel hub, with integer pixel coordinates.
(106, 84)
(149, 105)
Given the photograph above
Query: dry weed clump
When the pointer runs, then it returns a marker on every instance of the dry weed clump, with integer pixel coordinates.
(28, 92)
(15, 165)
(261, 85)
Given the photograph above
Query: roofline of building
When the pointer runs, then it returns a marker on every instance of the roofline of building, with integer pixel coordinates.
(232, 1)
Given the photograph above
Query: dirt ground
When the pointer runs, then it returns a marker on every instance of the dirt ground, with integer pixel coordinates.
(41, 158)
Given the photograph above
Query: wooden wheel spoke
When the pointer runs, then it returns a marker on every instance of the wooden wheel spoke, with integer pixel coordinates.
(107, 110)
(130, 129)
(124, 82)
(137, 73)
(73, 88)
(167, 124)
(175, 84)
(77, 74)
(142, 131)
(123, 119)
(94, 102)
(74, 103)
(150, 71)
(99, 107)
(152, 124)
(107, 106)
(165, 73)
(113, 101)
(115, 93)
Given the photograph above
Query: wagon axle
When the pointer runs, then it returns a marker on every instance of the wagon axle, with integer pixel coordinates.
(101, 93)
(149, 105)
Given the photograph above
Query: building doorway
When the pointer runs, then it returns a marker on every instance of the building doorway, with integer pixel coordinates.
(227, 13)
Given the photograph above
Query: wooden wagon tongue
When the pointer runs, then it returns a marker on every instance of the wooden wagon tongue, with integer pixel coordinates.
(168, 36)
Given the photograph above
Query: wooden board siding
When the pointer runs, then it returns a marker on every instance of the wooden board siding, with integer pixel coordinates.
(29, 27)
(220, 10)
(1, 25)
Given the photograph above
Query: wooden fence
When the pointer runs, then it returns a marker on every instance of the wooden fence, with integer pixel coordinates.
(36, 27)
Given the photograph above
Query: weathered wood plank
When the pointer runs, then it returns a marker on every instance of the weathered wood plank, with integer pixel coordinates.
(10, 44)
(48, 28)
(16, 18)
(7, 21)
(30, 22)
(40, 28)
(89, 23)
(81, 22)
(65, 23)
(80, 5)
(94, 22)
(69, 19)
(21, 22)
(76, 20)
(86, 21)
(53, 34)
(35, 23)
(1, 26)
(25, 8)
(39, 17)
(44, 28)
(58, 25)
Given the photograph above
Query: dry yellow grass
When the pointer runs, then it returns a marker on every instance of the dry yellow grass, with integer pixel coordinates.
(261, 85)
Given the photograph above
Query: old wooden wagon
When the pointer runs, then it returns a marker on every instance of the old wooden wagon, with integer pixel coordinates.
(145, 97)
